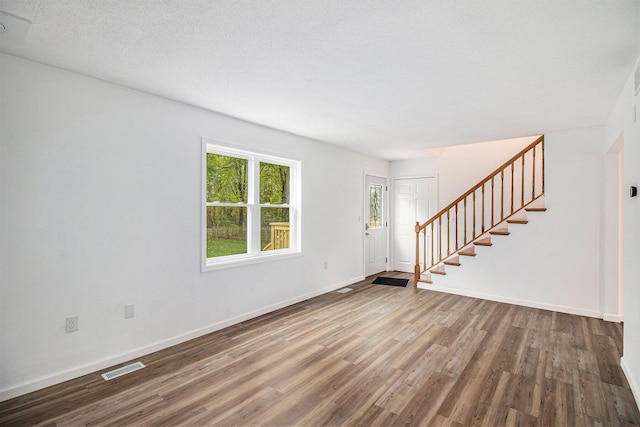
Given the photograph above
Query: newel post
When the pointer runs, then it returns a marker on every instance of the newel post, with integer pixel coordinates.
(416, 271)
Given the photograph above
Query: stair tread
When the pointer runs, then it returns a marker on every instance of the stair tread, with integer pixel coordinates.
(425, 281)
(467, 252)
(441, 272)
(500, 232)
(456, 263)
(517, 221)
(483, 242)
(532, 209)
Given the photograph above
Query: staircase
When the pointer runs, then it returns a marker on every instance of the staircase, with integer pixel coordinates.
(487, 209)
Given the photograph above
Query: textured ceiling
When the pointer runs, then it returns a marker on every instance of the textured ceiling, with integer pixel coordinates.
(389, 77)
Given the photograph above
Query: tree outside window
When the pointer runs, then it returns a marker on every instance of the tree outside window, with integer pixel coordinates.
(227, 185)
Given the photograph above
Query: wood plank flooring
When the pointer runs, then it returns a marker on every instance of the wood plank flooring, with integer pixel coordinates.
(378, 355)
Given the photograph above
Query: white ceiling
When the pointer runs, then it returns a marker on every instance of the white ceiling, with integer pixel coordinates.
(387, 77)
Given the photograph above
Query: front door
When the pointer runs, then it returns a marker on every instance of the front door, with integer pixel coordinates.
(375, 225)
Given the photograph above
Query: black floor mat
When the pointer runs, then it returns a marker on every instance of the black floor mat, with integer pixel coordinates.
(390, 281)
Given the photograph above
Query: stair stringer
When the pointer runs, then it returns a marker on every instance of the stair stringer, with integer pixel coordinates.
(523, 268)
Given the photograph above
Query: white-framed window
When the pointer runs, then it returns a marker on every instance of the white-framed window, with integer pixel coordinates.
(251, 206)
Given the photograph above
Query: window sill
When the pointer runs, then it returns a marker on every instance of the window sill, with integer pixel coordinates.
(211, 265)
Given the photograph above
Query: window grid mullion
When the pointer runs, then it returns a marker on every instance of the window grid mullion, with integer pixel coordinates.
(227, 205)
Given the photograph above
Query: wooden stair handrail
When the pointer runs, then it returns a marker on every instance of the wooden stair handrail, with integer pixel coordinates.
(485, 180)
(498, 173)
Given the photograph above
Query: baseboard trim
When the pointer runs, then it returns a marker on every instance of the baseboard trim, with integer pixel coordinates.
(635, 387)
(617, 318)
(515, 301)
(99, 365)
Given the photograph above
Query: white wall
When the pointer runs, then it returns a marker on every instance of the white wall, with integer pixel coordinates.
(460, 167)
(100, 189)
(554, 261)
(624, 124)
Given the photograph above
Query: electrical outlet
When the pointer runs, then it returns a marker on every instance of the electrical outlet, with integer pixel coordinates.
(129, 311)
(71, 324)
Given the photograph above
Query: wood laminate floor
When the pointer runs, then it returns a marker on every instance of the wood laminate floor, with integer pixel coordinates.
(378, 355)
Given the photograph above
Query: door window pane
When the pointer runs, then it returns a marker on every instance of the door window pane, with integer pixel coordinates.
(227, 179)
(226, 231)
(274, 184)
(375, 206)
(274, 228)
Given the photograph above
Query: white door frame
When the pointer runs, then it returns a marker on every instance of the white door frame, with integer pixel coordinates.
(612, 287)
(385, 208)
